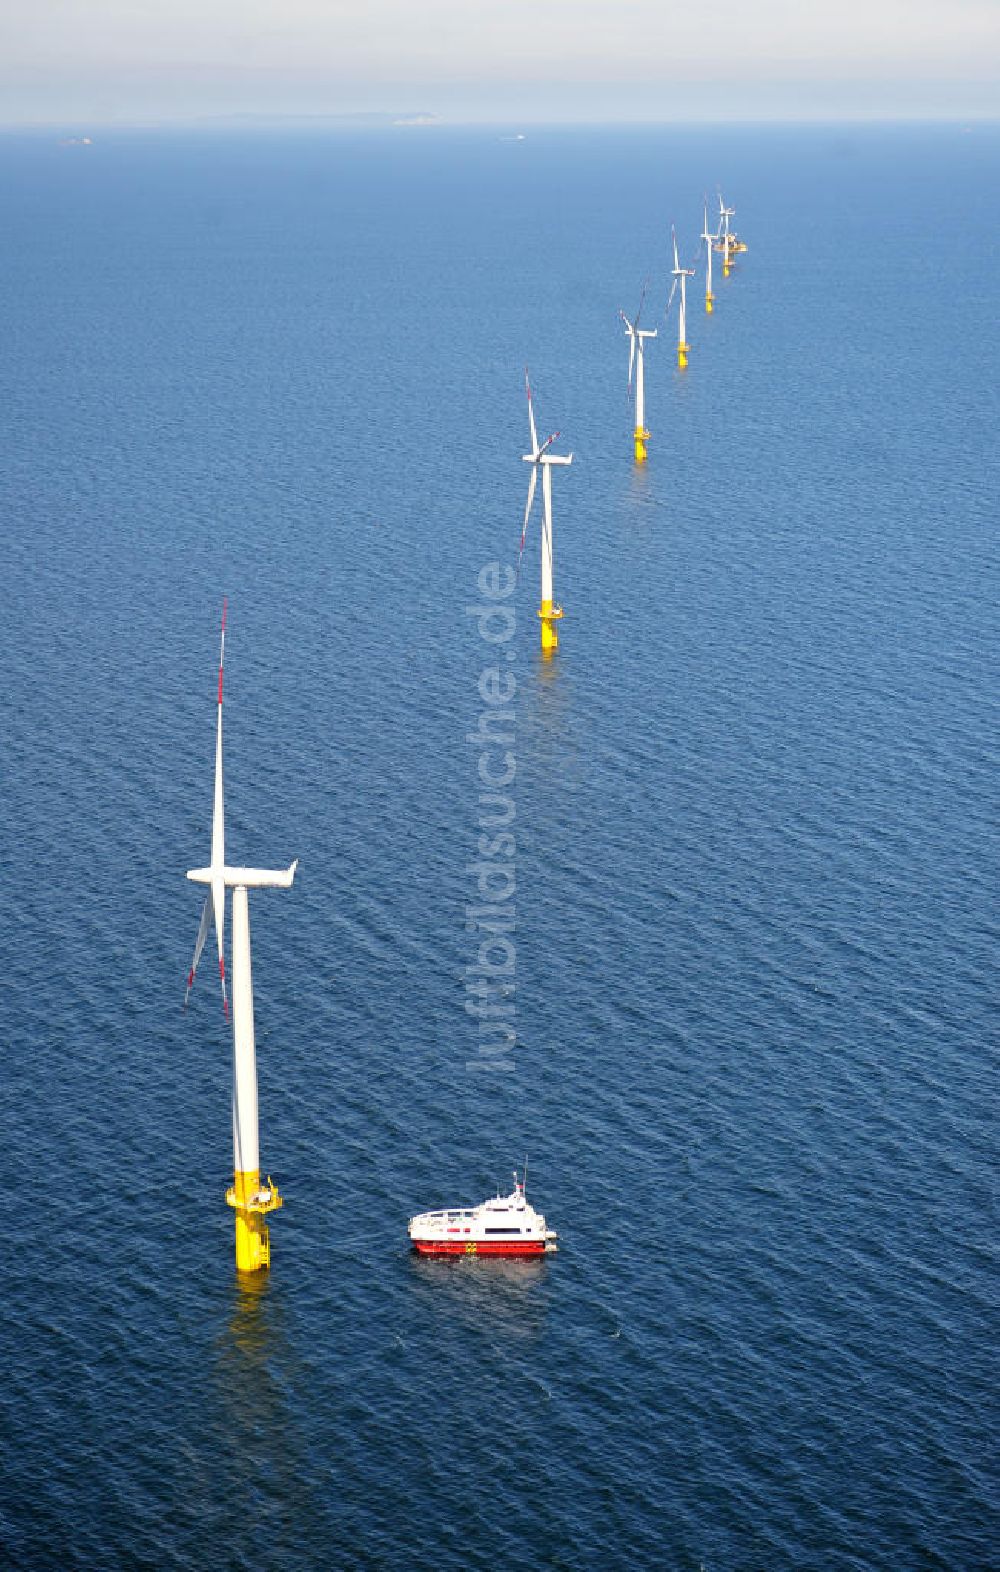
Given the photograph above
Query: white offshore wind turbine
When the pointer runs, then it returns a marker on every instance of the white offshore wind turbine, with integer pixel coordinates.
(709, 240)
(725, 241)
(681, 276)
(541, 459)
(636, 363)
(250, 1200)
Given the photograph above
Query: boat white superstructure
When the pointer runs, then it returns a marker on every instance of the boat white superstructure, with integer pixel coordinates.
(504, 1225)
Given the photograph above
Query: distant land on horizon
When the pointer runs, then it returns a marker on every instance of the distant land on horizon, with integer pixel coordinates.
(382, 117)
(79, 127)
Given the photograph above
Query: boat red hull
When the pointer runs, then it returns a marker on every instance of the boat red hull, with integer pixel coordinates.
(478, 1247)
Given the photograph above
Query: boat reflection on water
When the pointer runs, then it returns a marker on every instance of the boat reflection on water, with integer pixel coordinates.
(506, 1297)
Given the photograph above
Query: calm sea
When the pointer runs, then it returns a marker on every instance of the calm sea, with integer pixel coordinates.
(756, 851)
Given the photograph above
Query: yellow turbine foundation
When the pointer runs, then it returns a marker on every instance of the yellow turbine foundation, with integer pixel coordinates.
(641, 438)
(682, 355)
(250, 1203)
(710, 304)
(549, 615)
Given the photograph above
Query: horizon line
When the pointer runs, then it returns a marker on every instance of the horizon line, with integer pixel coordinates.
(425, 120)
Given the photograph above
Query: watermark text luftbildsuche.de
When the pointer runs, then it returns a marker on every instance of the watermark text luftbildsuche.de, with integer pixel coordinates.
(490, 976)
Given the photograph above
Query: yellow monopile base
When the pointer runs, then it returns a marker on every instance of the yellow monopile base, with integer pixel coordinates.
(641, 438)
(250, 1201)
(725, 269)
(682, 355)
(710, 304)
(549, 615)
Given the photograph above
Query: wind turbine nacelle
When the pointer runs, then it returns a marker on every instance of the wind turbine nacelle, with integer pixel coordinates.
(248, 878)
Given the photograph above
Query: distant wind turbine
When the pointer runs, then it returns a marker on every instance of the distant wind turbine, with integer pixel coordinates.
(541, 459)
(709, 240)
(727, 241)
(636, 363)
(681, 276)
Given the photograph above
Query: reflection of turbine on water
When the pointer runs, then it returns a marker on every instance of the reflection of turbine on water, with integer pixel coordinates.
(499, 1298)
(262, 1455)
(642, 509)
(642, 486)
(251, 1323)
(548, 740)
(250, 1350)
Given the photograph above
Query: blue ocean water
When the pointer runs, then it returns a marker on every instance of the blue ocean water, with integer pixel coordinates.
(757, 842)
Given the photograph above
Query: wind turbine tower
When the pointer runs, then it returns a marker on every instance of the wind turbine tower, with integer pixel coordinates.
(709, 240)
(251, 1201)
(541, 459)
(681, 276)
(636, 362)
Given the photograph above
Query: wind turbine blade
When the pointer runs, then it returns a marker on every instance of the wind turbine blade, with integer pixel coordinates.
(670, 298)
(631, 365)
(527, 514)
(218, 896)
(547, 443)
(642, 299)
(531, 413)
(199, 945)
(674, 235)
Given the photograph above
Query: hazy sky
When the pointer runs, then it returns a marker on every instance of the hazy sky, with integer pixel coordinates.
(93, 61)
